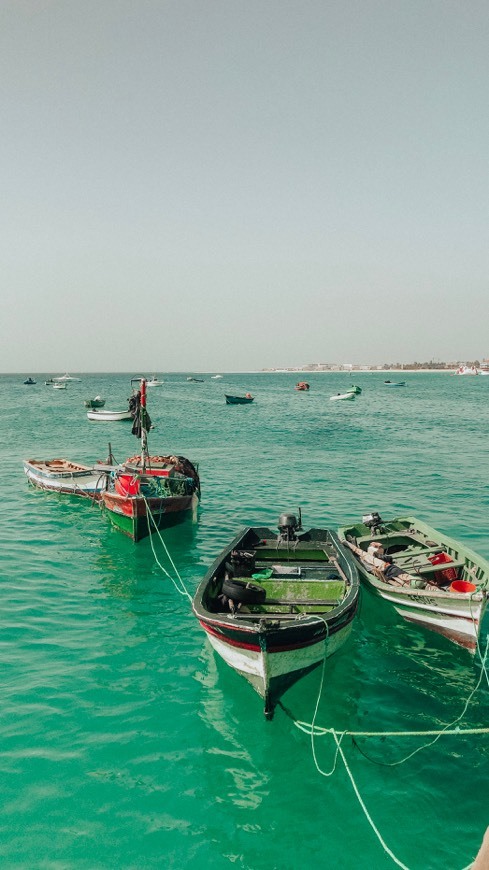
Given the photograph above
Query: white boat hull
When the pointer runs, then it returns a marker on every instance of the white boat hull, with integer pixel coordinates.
(456, 616)
(81, 481)
(108, 416)
(263, 669)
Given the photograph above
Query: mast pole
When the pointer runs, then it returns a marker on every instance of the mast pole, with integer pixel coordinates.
(144, 433)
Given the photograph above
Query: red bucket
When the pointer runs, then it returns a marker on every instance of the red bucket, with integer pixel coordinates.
(462, 586)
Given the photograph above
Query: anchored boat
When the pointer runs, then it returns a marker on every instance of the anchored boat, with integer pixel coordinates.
(97, 402)
(107, 416)
(150, 492)
(239, 400)
(61, 475)
(342, 397)
(275, 606)
(430, 579)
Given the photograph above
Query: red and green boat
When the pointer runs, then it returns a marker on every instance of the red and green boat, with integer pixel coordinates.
(147, 492)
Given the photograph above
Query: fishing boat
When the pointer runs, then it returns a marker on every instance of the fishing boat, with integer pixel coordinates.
(430, 579)
(61, 475)
(29, 381)
(303, 386)
(147, 492)
(97, 402)
(154, 382)
(105, 416)
(49, 382)
(355, 389)
(395, 383)
(59, 386)
(342, 397)
(276, 606)
(239, 400)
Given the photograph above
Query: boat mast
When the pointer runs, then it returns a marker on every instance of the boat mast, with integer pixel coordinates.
(144, 431)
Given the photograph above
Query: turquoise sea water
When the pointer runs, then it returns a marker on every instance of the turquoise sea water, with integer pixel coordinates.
(125, 743)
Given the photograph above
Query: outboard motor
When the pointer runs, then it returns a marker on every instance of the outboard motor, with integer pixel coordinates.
(288, 525)
(373, 522)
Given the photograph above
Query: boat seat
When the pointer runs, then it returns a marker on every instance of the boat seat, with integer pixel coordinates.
(432, 569)
(409, 555)
(302, 602)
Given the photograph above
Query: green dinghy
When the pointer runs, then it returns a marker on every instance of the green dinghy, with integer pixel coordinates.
(430, 579)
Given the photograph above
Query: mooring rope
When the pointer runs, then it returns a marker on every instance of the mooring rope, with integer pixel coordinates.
(450, 729)
(183, 590)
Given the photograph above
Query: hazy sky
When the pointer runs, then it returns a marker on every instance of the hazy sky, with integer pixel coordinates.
(214, 184)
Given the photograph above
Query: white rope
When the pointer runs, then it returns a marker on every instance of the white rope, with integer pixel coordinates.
(183, 590)
(364, 808)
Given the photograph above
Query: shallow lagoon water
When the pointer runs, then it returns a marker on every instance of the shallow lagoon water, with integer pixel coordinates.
(126, 743)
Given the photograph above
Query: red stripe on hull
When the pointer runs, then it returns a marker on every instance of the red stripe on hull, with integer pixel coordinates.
(256, 647)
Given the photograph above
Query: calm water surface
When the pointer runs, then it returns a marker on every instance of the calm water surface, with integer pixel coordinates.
(125, 743)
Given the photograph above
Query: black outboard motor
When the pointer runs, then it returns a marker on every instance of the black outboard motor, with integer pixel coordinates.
(373, 522)
(288, 525)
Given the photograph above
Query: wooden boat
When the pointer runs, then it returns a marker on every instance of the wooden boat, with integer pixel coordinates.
(97, 402)
(355, 389)
(61, 475)
(274, 607)
(239, 400)
(342, 397)
(395, 383)
(303, 386)
(150, 492)
(433, 580)
(29, 381)
(106, 416)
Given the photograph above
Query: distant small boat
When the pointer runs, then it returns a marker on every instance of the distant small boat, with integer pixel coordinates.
(395, 383)
(58, 386)
(49, 382)
(196, 380)
(66, 378)
(154, 382)
(97, 402)
(61, 475)
(302, 385)
(29, 381)
(355, 389)
(467, 370)
(239, 400)
(215, 377)
(108, 416)
(342, 397)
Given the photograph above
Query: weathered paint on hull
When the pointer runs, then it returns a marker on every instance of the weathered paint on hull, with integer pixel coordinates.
(456, 617)
(129, 515)
(272, 671)
(88, 486)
